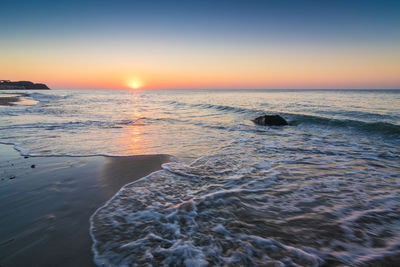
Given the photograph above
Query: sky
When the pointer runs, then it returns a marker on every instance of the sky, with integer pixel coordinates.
(201, 44)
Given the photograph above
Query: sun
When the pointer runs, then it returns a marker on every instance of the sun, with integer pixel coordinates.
(134, 83)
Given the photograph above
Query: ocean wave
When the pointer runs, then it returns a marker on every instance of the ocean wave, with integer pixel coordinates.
(74, 124)
(378, 123)
(378, 127)
(169, 230)
(215, 107)
(242, 209)
(43, 97)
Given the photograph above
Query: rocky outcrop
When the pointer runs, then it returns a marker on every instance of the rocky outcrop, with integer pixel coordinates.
(23, 85)
(270, 120)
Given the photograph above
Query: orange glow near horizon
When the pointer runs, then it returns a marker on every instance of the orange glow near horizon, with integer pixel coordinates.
(134, 83)
(209, 68)
(233, 78)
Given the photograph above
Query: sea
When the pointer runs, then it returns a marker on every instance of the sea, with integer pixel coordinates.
(322, 191)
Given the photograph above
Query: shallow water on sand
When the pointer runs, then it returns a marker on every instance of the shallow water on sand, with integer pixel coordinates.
(259, 202)
(322, 191)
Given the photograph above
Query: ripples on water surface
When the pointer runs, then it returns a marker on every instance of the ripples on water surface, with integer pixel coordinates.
(323, 191)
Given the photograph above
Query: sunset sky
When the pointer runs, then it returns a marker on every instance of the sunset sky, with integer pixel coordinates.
(201, 44)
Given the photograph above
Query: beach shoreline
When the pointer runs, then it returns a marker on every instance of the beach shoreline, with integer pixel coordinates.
(47, 202)
(14, 99)
(9, 100)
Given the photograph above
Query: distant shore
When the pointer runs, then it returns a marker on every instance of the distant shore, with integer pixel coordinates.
(46, 203)
(22, 85)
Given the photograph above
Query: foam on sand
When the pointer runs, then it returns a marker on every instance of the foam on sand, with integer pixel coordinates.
(233, 209)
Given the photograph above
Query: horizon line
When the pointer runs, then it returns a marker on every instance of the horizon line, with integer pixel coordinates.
(139, 89)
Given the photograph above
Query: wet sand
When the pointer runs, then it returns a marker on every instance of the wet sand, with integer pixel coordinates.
(46, 202)
(8, 100)
(13, 99)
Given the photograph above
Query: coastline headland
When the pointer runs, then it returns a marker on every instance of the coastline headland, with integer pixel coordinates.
(24, 85)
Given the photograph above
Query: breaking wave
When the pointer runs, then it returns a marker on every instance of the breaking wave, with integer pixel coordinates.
(383, 126)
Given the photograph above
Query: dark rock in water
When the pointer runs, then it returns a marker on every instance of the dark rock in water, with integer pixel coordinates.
(33, 166)
(270, 120)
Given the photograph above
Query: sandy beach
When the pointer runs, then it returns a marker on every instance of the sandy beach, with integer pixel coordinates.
(46, 203)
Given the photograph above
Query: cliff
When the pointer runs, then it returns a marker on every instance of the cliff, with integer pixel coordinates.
(25, 85)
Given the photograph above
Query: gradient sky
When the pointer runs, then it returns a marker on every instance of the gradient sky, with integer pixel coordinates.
(201, 44)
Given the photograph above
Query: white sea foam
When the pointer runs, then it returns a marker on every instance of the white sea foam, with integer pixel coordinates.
(17, 147)
(231, 209)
